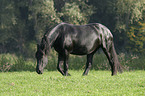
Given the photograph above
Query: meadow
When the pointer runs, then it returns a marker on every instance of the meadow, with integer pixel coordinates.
(52, 83)
(18, 77)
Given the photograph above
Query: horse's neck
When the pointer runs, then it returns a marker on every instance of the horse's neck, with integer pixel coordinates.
(52, 36)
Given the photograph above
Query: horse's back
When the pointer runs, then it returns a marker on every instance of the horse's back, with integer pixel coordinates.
(89, 31)
(88, 28)
(83, 39)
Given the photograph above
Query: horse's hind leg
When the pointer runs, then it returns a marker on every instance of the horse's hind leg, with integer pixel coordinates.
(88, 64)
(109, 52)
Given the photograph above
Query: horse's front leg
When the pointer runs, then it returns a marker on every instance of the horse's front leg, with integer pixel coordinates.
(60, 63)
(66, 68)
(66, 64)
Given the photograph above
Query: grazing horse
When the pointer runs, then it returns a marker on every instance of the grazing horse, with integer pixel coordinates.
(78, 40)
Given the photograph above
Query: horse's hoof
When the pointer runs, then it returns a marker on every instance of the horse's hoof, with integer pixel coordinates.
(113, 74)
(67, 74)
(84, 74)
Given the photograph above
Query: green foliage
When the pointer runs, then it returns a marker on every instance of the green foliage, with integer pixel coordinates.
(117, 15)
(100, 62)
(136, 38)
(23, 23)
(10, 62)
(14, 26)
(77, 12)
(128, 12)
(6, 62)
(52, 61)
(97, 83)
(23, 65)
(7, 19)
(132, 9)
(43, 16)
(131, 61)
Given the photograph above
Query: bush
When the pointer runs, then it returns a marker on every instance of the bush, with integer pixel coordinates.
(52, 61)
(23, 65)
(6, 62)
(10, 62)
(100, 62)
(132, 61)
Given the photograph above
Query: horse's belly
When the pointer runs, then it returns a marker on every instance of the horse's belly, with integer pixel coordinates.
(79, 51)
(86, 48)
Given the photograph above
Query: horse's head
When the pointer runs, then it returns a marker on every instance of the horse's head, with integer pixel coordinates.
(41, 57)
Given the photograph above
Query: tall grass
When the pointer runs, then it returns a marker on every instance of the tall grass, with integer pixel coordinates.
(132, 61)
(6, 61)
(11, 62)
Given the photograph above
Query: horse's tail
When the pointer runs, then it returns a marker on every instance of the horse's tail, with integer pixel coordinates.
(118, 65)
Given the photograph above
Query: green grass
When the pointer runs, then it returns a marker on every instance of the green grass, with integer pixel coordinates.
(51, 83)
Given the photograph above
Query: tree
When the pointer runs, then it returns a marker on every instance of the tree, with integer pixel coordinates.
(7, 20)
(23, 23)
(117, 15)
(128, 12)
(136, 37)
(74, 11)
(43, 16)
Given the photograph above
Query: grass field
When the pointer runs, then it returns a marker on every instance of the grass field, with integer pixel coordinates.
(51, 83)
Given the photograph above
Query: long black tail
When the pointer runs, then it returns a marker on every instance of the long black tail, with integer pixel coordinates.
(119, 67)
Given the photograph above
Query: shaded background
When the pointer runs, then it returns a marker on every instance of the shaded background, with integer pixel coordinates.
(23, 23)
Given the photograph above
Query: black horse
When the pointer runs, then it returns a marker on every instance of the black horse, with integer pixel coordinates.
(78, 40)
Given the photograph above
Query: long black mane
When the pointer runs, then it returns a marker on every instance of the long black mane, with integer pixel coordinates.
(47, 41)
